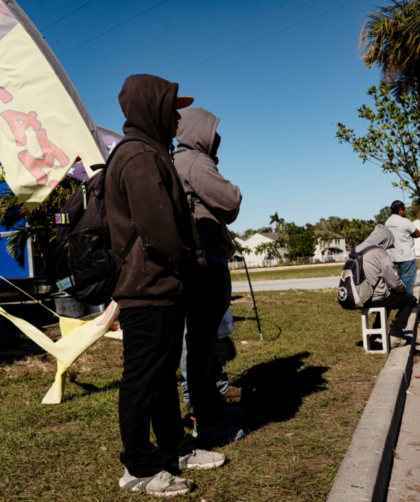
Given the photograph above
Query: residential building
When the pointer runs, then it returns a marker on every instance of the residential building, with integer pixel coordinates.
(332, 250)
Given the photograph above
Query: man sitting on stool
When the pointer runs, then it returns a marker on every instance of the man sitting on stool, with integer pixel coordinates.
(379, 270)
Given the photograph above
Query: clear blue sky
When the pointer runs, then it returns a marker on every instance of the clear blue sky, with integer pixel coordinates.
(279, 99)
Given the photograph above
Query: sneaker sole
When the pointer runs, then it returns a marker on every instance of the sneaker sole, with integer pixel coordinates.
(205, 466)
(184, 491)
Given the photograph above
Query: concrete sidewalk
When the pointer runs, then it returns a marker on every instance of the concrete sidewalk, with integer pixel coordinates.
(405, 478)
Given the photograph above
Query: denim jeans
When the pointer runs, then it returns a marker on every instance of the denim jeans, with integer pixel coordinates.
(407, 270)
(149, 393)
(217, 375)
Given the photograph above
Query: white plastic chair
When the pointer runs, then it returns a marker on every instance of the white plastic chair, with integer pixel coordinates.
(382, 331)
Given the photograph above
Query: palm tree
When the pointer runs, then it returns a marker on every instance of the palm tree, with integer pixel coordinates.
(278, 221)
(25, 223)
(390, 39)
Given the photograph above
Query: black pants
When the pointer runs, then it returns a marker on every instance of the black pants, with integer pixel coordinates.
(152, 343)
(404, 302)
(205, 310)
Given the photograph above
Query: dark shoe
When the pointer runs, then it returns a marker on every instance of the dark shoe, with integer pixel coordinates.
(220, 432)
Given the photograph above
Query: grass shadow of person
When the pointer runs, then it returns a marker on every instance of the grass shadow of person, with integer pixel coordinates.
(279, 387)
(90, 388)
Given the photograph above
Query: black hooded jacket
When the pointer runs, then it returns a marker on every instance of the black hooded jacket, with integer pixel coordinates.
(216, 200)
(143, 191)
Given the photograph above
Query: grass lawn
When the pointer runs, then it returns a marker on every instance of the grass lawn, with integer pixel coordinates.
(310, 384)
(304, 273)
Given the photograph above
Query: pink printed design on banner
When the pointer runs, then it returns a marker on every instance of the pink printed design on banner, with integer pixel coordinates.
(5, 96)
(19, 123)
(108, 314)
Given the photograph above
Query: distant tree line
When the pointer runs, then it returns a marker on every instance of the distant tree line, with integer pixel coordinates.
(295, 242)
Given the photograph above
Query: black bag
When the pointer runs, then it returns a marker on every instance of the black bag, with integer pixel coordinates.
(84, 263)
(353, 290)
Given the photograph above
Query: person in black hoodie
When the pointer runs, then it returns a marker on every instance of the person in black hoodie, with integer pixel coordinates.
(215, 202)
(143, 194)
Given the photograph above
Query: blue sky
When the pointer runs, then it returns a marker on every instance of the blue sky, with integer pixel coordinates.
(279, 100)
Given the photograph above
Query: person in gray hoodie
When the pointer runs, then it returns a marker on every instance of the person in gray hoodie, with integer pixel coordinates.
(390, 291)
(214, 202)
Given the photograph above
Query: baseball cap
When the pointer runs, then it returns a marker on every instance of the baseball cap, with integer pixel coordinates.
(183, 102)
(397, 205)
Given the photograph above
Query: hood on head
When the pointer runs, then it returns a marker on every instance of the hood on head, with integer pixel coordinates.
(197, 129)
(147, 103)
(381, 237)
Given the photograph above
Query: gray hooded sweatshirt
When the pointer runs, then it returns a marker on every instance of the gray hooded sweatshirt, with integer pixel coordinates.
(378, 266)
(216, 200)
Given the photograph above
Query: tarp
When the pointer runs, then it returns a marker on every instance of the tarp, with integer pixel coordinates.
(44, 125)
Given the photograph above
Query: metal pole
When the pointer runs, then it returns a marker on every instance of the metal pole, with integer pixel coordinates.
(250, 287)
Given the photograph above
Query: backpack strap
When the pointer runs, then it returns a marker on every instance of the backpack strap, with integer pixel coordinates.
(134, 236)
(96, 167)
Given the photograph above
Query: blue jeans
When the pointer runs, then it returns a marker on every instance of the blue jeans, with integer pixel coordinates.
(407, 270)
(217, 375)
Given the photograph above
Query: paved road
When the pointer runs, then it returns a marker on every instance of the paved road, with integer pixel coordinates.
(277, 285)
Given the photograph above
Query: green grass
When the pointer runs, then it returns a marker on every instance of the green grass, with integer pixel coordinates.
(303, 273)
(310, 384)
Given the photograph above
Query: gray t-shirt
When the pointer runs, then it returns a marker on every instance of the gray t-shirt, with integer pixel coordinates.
(401, 228)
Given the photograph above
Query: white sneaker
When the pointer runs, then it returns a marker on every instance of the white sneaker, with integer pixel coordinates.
(201, 459)
(162, 484)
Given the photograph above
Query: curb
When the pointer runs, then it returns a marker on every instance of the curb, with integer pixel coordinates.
(364, 473)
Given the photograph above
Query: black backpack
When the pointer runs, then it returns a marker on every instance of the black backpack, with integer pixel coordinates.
(353, 290)
(84, 263)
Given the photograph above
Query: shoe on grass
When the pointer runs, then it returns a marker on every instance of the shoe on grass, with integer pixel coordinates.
(397, 341)
(197, 459)
(162, 484)
(223, 431)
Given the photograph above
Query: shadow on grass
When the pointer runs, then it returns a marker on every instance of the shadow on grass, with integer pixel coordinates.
(279, 388)
(90, 388)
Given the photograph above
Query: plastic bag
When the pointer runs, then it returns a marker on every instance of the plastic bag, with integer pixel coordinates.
(226, 326)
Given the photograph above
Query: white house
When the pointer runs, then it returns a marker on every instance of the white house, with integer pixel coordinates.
(258, 260)
(332, 250)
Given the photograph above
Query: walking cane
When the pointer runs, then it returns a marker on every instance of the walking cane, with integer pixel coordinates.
(250, 287)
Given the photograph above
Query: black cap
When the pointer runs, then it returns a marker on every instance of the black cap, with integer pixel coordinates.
(397, 205)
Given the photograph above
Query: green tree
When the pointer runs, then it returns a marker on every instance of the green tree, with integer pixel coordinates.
(26, 223)
(299, 241)
(265, 230)
(356, 231)
(273, 249)
(383, 215)
(248, 233)
(392, 141)
(279, 222)
(413, 211)
(390, 39)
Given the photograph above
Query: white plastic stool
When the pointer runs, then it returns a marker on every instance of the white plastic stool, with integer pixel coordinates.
(382, 331)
